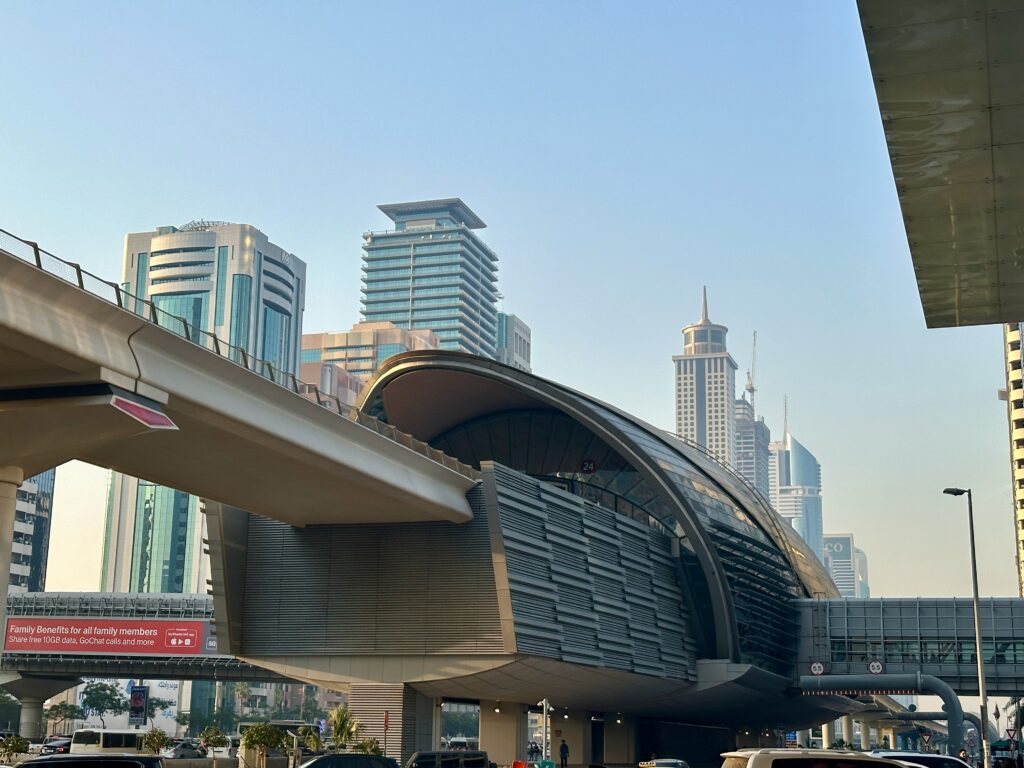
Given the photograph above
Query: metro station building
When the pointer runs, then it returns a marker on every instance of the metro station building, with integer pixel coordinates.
(627, 576)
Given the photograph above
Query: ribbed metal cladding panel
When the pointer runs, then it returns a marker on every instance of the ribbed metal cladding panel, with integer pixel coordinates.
(590, 586)
(370, 702)
(421, 588)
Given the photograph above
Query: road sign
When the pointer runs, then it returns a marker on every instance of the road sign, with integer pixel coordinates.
(817, 668)
(875, 667)
(970, 740)
(1012, 733)
(926, 737)
(153, 418)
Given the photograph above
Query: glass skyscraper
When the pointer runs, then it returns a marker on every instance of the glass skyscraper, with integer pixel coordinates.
(229, 280)
(794, 479)
(32, 507)
(432, 271)
(752, 440)
(513, 342)
(847, 565)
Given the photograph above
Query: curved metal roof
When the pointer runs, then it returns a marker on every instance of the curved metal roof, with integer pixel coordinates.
(741, 562)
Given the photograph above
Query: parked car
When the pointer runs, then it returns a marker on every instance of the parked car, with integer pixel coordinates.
(350, 760)
(183, 750)
(803, 758)
(665, 762)
(231, 749)
(450, 758)
(94, 760)
(58, 746)
(926, 759)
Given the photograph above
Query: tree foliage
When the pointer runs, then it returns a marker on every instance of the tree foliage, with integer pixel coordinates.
(155, 704)
(155, 740)
(263, 737)
(367, 747)
(213, 737)
(103, 699)
(309, 736)
(64, 710)
(344, 727)
(11, 746)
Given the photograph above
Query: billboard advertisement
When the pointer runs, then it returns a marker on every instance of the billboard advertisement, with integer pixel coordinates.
(103, 635)
(138, 697)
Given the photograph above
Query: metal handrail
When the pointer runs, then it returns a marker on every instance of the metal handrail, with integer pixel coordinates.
(117, 295)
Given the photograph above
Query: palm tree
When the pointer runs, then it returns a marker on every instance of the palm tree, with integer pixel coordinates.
(242, 692)
(344, 727)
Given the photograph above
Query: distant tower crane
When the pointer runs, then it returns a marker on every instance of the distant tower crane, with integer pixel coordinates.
(750, 373)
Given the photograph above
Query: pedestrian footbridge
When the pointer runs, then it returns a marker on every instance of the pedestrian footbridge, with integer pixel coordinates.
(926, 635)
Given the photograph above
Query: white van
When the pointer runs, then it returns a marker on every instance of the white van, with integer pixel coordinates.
(92, 741)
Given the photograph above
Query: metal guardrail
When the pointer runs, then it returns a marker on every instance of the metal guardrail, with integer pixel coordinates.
(70, 272)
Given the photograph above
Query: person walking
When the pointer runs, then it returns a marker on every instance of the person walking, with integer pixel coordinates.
(563, 753)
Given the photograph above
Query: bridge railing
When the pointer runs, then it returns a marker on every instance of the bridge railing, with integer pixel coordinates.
(119, 295)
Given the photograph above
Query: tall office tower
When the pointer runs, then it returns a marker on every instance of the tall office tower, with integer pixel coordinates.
(513, 342)
(1014, 395)
(706, 387)
(432, 271)
(228, 280)
(752, 440)
(860, 560)
(794, 484)
(847, 565)
(364, 348)
(32, 506)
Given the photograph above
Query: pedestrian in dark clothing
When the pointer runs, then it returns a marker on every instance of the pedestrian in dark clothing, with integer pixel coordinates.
(563, 753)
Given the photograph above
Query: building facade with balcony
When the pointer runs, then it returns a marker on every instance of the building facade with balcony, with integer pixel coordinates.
(1014, 396)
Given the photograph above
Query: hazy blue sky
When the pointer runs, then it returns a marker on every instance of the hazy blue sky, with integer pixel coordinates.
(622, 154)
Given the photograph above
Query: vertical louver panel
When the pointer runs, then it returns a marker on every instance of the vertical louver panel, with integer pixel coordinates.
(590, 586)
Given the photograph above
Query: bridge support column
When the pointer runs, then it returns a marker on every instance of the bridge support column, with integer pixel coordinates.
(803, 738)
(865, 735)
(827, 735)
(31, 725)
(10, 479)
(847, 723)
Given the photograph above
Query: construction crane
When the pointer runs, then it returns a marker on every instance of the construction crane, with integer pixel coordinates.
(750, 373)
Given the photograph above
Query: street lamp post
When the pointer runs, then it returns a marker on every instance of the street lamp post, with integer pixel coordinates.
(982, 736)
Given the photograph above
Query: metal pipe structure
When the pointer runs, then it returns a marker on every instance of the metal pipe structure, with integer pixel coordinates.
(866, 684)
(982, 736)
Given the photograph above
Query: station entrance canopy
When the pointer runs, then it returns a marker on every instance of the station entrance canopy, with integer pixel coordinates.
(950, 84)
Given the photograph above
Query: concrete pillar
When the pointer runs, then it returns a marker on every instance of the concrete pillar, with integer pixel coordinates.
(827, 734)
(10, 479)
(575, 729)
(503, 731)
(865, 735)
(31, 726)
(803, 738)
(619, 740)
(847, 722)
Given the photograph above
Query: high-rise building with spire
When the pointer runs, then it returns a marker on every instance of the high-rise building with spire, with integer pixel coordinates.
(706, 387)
